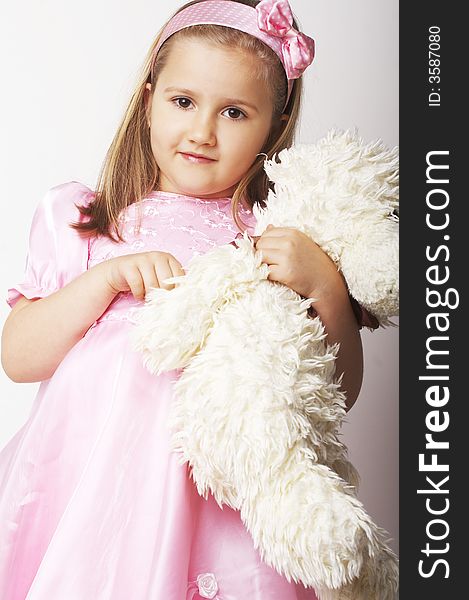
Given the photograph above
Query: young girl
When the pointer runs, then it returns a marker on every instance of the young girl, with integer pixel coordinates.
(93, 504)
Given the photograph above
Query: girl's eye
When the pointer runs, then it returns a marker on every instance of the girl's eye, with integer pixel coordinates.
(235, 114)
(183, 103)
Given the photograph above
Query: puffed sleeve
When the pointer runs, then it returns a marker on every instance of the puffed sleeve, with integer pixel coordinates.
(57, 253)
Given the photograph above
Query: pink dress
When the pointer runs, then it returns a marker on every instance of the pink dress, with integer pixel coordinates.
(93, 504)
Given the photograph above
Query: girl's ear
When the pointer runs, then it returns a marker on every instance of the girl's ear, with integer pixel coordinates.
(283, 121)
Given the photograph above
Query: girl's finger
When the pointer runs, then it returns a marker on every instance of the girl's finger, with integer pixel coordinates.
(270, 229)
(273, 237)
(276, 231)
(176, 267)
(271, 256)
(176, 271)
(149, 276)
(164, 271)
(273, 273)
(135, 283)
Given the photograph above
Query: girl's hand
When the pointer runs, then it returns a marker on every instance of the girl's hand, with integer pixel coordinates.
(295, 260)
(140, 272)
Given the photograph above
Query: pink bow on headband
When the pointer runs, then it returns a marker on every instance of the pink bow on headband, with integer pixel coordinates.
(275, 18)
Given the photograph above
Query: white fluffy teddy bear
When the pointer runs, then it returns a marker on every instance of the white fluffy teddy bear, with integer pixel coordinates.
(258, 407)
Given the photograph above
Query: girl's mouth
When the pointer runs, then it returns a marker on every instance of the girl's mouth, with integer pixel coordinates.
(198, 159)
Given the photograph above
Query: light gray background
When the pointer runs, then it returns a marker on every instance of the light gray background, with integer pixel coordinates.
(68, 69)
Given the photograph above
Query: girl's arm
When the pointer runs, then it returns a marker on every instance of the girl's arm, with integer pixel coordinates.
(38, 333)
(340, 323)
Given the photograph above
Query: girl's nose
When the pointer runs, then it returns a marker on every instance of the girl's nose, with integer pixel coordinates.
(202, 130)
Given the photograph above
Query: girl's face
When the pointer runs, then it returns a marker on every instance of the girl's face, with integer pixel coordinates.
(209, 118)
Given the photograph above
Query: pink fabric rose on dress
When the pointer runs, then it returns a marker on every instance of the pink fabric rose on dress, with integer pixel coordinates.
(208, 586)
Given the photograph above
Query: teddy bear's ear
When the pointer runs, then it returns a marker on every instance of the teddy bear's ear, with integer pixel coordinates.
(371, 269)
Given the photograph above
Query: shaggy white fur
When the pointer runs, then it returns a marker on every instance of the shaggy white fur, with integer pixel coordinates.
(258, 409)
(343, 194)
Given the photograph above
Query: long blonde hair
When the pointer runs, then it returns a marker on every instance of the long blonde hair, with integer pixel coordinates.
(130, 173)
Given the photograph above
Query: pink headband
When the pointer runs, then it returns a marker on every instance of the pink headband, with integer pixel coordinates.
(271, 21)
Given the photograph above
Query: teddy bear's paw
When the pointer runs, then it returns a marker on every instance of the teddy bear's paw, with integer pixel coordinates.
(173, 325)
(379, 583)
(343, 593)
(308, 526)
(371, 269)
(167, 333)
(378, 578)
